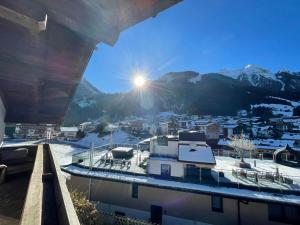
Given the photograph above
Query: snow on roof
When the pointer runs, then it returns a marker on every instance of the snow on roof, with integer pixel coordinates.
(199, 154)
(291, 136)
(203, 122)
(86, 123)
(234, 192)
(122, 149)
(68, 129)
(229, 126)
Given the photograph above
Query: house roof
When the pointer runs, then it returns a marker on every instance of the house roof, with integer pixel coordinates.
(191, 136)
(68, 129)
(122, 149)
(197, 154)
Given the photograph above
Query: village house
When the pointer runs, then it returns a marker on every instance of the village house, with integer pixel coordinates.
(210, 129)
(86, 126)
(34, 131)
(180, 181)
(68, 133)
(185, 157)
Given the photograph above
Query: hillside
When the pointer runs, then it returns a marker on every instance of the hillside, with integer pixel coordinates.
(221, 93)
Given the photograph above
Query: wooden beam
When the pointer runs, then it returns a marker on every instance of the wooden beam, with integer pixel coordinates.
(22, 20)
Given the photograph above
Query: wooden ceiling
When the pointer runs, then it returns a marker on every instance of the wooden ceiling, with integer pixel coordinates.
(40, 70)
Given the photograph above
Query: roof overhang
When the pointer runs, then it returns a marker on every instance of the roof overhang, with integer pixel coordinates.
(45, 46)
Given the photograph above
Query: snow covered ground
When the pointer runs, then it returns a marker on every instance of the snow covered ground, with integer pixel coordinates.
(277, 109)
(118, 137)
(227, 164)
(85, 103)
(63, 152)
(293, 103)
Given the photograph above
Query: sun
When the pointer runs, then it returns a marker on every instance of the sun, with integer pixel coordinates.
(139, 81)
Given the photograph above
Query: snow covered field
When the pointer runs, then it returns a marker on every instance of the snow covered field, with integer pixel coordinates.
(293, 103)
(117, 138)
(277, 109)
(63, 152)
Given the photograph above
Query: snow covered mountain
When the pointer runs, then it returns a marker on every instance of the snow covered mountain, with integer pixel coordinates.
(252, 75)
(248, 70)
(255, 76)
(222, 93)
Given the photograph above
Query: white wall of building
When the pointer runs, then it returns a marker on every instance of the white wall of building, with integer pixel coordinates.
(2, 117)
(170, 150)
(230, 132)
(154, 166)
(164, 128)
(145, 215)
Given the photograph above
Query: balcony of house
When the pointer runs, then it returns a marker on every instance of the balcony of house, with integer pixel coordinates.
(32, 189)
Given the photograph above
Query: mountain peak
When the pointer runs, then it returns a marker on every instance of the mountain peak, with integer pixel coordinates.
(256, 70)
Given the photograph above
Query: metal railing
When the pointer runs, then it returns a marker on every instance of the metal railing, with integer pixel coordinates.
(82, 156)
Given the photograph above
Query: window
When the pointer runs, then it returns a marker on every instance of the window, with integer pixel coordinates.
(283, 213)
(216, 203)
(135, 191)
(165, 170)
(118, 213)
(162, 141)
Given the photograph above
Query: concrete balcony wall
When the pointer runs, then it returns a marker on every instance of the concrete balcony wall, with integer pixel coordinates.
(2, 117)
(48, 200)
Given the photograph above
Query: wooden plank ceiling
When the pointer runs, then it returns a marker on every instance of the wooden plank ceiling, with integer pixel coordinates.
(39, 71)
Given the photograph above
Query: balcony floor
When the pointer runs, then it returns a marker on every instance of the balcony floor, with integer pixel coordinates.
(12, 198)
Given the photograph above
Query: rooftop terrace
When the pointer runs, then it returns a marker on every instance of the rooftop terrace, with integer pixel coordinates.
(265, 175)
(103, 160)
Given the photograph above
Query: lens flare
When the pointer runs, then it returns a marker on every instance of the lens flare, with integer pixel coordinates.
(139, 81)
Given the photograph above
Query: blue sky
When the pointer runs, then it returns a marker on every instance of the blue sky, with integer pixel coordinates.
(203, 36)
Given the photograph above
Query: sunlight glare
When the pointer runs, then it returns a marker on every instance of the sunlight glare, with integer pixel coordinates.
(139, 81)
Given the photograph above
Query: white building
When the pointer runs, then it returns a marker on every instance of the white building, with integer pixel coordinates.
(86, 126)
(69, 132)
(185, 157)
(164, 128)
